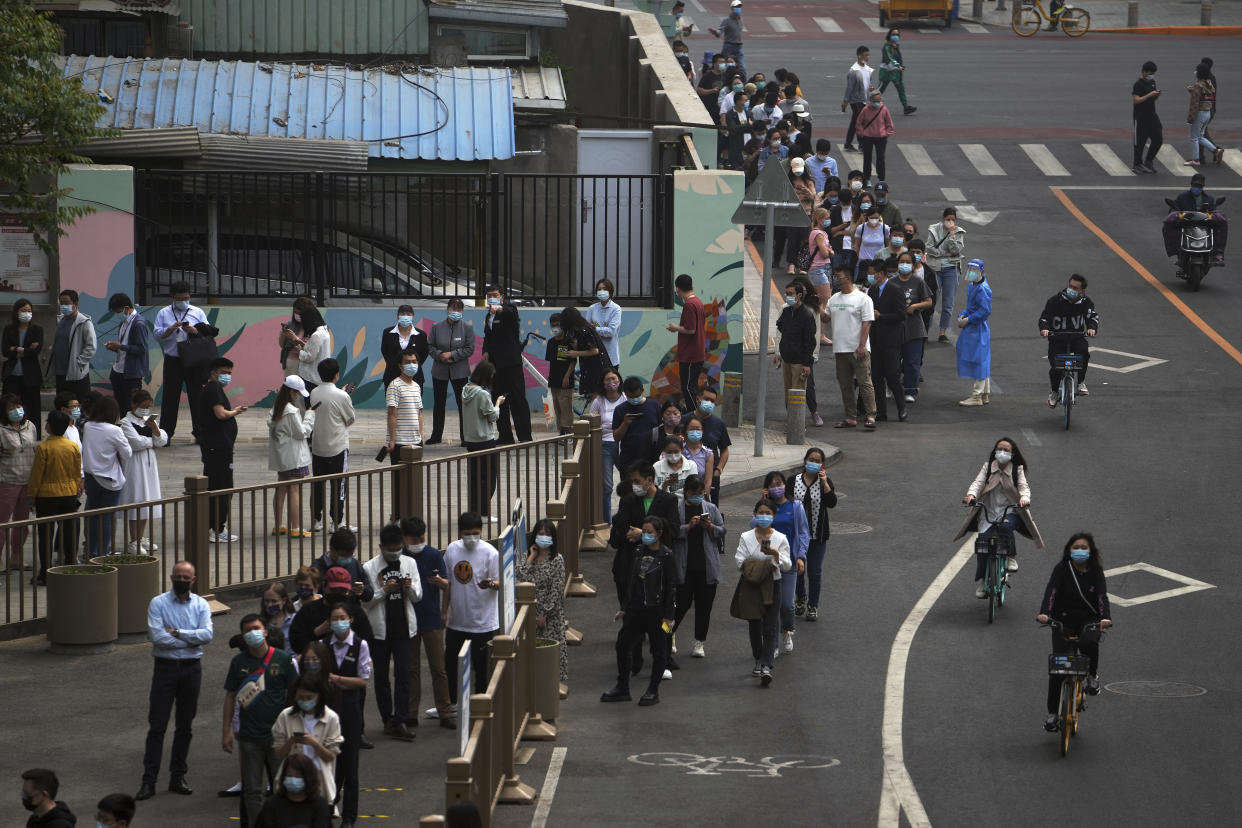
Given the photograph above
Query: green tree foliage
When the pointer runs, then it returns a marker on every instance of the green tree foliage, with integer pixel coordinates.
(44, 117)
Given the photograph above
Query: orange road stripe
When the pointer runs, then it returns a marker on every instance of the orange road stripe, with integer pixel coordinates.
(757, 260)
(1164, 289)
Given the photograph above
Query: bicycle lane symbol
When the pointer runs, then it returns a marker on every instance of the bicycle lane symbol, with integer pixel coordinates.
(767, 767)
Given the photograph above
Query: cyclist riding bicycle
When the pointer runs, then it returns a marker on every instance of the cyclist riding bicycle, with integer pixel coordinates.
(1076, 595)
(1068, 319)
(1001, 482)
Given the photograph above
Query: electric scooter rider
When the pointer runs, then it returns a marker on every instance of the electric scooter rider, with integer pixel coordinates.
(1199, 200)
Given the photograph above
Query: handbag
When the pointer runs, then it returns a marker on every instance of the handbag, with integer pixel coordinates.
(197, 351)
(803, 259)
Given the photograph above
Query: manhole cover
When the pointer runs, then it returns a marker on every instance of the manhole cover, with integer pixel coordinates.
(1156, 689)
(849, 528)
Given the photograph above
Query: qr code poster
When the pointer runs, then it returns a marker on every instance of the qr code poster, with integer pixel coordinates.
(23, 264)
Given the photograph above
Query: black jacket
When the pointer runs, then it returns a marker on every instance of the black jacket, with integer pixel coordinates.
(58, 817)
(501, 343)
(302, 630)
(798, 332)
(1063, 315)
(1063, 602)
(736, 130)
(390, 348)
(630, 513)
(32, 375)
(890, 317)
(1188, 202)
(652, 574)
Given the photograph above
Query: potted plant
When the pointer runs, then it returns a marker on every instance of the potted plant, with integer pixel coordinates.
(137, 582)
(81, 605)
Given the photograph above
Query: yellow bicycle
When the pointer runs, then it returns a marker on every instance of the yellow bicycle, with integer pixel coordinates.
(1028, 14)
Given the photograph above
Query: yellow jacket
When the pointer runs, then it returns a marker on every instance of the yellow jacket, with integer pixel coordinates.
(57, 469)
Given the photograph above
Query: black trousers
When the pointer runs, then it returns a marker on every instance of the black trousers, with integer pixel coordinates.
(480, 665)
(1145, 131)
(886, 369)
(636, 623)
(174, 682)
(336, 503)
(123, 388)
(347, 762)
(31, 399)
(483, 472)
(61, 536)
(176, 376)
(698, 592)
(1091, 649)
(1066, 346)
(218, 468)
(868, 146)
(79, 387)
(855, 108)
(511, 382)
(392, 699)
(439, 389)
(688, 373)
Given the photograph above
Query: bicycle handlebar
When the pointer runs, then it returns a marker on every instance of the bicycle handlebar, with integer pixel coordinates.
(1094, 626)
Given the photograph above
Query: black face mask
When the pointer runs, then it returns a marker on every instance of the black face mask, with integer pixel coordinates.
(28, 802)
(181, 587)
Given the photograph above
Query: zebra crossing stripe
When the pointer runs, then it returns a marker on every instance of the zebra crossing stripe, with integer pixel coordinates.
(1043, 158)
(873, 23)
(780, 24)
(1233, 158)
(853, 160)
(1107, 159)
(1171, 160)
(978, 155)
(827, 24)
(919, 160)
(974, 28)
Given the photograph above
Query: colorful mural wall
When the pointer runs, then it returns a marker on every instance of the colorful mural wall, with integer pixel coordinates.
(96, 259)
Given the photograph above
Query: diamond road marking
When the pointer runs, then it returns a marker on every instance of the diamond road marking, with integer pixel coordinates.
(1141, 363)
(1191, 585)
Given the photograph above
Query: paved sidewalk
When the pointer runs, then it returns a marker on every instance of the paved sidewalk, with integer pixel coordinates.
(1111, 14)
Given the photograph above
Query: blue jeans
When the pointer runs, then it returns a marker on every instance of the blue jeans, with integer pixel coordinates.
(99, 527)
(610, 460)
(820, 275)
(912, 365)
(947, 279)
(814, 575)
(789, 586)
(1005, 527)
(1198, 135)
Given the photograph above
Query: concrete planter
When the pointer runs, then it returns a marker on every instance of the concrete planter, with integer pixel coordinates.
(137, 582)
(547, 678)
(81, 606)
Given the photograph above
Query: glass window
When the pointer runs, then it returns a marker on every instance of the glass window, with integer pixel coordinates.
(483, 43)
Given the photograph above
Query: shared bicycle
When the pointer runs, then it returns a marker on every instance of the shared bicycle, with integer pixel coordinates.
(998, 547)
(1074, 668)
(1028, 14)
(1070, 366)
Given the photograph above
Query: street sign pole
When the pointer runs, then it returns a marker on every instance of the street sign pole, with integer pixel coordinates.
(765, 313)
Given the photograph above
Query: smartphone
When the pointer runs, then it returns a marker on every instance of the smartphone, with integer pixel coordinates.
(350, 388)
(315, 407)
(383, 453)
(357, 583)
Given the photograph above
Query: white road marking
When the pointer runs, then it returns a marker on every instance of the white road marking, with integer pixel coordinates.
(853, 160)
(1120, 187)
(1171, 160)
(699, 6)
(952, 194)
(1233, 158)
(549, 788)
(1107, 159)
(1030, 437)
(917, 157)
(827, 24)
(898, 793)
(1192, 585)
(780, 24)
(873, 23)
(1143, 361)
(1044, 159)
(970, 213)
(974, 28)
(978, 155)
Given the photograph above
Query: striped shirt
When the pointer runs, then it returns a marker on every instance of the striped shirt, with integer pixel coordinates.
(407, 398)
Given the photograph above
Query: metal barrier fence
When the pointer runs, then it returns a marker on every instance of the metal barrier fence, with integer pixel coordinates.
(338, 237)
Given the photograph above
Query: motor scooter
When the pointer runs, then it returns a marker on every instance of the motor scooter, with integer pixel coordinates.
(1195, 241)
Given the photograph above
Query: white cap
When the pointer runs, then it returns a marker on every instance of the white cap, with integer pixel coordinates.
(736, 3)
(797, 166)
(297, 384)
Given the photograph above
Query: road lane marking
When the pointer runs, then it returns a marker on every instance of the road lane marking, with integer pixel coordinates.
(952, 194)
(699, 6)
(853, 160)
(919, 160)
(1140, 363)
(975, 28)
(779, 24)
(1171, 160)
(1196, 320)
(1191, 584)
(1030, 437)
(978, 155)
(873, 23)
(1233, 157)
(1044, 159)
(898, 793)
(548, 792)
(827, 24)
(1106, 158)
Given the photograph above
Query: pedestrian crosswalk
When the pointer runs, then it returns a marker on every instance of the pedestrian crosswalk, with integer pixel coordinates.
(797, 22)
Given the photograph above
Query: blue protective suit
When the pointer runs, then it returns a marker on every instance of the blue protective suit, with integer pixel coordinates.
(974, 343)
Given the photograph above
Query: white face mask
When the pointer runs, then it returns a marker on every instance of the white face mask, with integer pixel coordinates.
(1003, 457)
(142, 413)
(855, 185)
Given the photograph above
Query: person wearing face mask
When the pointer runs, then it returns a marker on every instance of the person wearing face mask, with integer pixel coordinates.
(544, 567)
(821, 254)
(822, 165)
(73, 347)
(681, 51)
(560, 374)
(1076, 595)
(890, 214)
(1072, 316)
(790, 520)
(469, 607)
(340, 586)
(277, 611)
(695, 450)
(217, 434)
(874, 127)
(840, 222)
(945, 243)
(646, 578)
(393, 614)
(142, 470)
(329, 445)
(696, 554)
(857, 88)
(896, 243)
(813, 489)
(974, 343)
(288, 453)
(710, 81)
(479, 415)
(715, 437)
(670, 428)
(55, 486)
(306, 586)
(502, 347)
(763, 557)
(766, 110)
(604, 315)
(870, 232)
(176, 323)
(605, 405)
(671, 470)
(258, 680)
(115, 811)
(1000, 483)
(310, 731)
(889, 307)
(39, 789)
(633, 422)
(773, 148)
(349, 671)
(852, 314)
(1147, 126)
(429, 639)
(918, 252)
(737, 125)
(1199, 200)
(917, 300)
(397, 339)
(302, 798)
(342, 552)
(179, 626)
(893, 70)
(730, 32)
(18, 441)
(799, 332)
(131, 367)
(105, 453)
(450, 345)
(21, 342)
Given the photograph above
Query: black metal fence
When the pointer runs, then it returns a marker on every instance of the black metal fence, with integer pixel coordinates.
(345, 238)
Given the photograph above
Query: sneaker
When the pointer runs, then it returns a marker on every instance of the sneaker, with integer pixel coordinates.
(812, 613)
(317, 526)
(1217, 154)
(222, 537)
(674, 646)
(698, 651)
(149, 545)
(757, 671)
(816, 419)
(1148, 168)
(849, 148)
(1082, 389)
(910, 398)
(981, 591)
(353, 529)
(972, 401)
(1012, 564)
(649, 698)
(1052, 400)
(909, 110)
(1050, 723)
(299, 533)
(799, 608)
(280, 530)
(787, 639)
(765, 677)
(1138, 168)
(132, 548)
(944, 339)
(668, 674)
(1093, 685)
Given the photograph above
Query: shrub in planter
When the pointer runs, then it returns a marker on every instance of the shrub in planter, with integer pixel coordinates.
(137, 582)
(81, 604)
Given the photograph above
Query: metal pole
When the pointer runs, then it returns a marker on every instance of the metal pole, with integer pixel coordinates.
(765, 304)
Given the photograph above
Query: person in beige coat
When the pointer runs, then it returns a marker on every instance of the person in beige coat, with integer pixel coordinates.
(1000, 483)
(311, 727)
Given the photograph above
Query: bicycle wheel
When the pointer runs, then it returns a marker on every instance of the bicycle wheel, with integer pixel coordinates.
(1067, 713)
(1075, 22)
(1025, 21)
(1078, 704)
(989, 583)
(1067, 396)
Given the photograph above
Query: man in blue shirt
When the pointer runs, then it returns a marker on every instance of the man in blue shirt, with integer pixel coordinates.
(179, 625)
(632, 423)
(434, 574)
(821, 164)
(715, 435)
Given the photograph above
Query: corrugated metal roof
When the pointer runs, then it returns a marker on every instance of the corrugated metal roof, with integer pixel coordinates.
(459, 114)
(537, 87)
(271, 28)
(547, 13)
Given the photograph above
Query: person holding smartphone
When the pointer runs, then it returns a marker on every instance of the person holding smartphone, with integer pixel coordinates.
(217, 435)
(761, 580)
(470, 610)
(392, 612)
(312, 729)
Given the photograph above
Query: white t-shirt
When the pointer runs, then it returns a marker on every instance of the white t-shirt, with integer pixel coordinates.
(848, 312)
(601, 406)
(471, 608)
(663, 470)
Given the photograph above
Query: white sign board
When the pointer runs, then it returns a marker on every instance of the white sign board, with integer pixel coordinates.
(23, 264)
(511, 545)
(465, 680)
